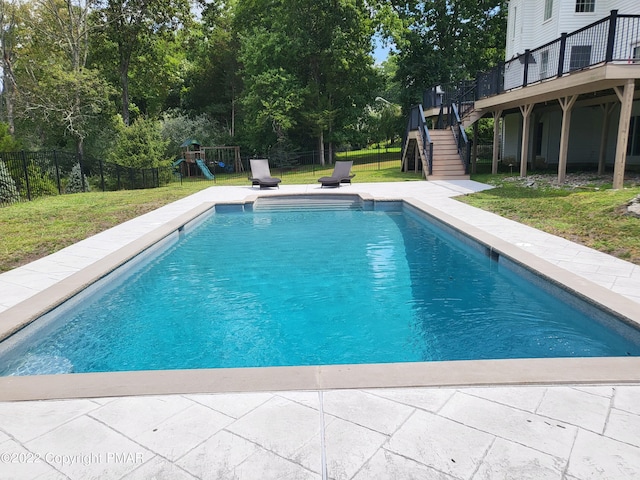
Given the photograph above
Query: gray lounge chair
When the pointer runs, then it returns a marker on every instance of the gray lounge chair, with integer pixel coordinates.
(261, 175)
(341, 174)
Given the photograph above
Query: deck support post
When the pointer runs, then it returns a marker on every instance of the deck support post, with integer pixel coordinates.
(625, 94)
(607, 108)
(496, 141)
(524, 153)
(567, 104)
(474, 149)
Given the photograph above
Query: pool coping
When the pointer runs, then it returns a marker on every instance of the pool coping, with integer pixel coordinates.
(467, 373)
(420, 374)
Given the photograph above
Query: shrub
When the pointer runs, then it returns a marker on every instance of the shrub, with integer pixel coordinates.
(40, 183)
(139, 145)
(8, 190)
(75, 181)
(7, 142)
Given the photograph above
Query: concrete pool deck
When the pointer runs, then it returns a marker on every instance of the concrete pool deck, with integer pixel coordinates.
(565, 429)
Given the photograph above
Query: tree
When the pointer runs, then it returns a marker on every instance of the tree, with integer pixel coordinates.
(57, 88)
(442, 41)
(316, 54)
(10, 27)
(7, 142)
(212, 82)
(133, 27)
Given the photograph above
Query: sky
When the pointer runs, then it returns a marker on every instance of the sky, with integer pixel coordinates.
(380, 51)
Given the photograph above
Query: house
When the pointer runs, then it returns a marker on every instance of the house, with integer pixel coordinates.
(566, 93)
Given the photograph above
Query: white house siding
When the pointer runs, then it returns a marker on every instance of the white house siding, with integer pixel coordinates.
(570, 21)
(629, 7)
(532, 31)
(520, 33)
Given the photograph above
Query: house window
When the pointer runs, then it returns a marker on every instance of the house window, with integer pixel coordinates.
(585, 6)
(548, 9)
(515, 20)
(633, 144)
(635, 53)
(544, 64)
(580, 57)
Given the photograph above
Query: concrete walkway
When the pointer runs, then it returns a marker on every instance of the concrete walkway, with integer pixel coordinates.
(526, 432)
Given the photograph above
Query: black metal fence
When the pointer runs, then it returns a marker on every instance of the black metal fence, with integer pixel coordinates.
(28, 175)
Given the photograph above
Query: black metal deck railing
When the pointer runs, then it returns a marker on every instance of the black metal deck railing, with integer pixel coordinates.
(614, 39)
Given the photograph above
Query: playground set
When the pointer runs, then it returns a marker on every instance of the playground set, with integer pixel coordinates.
(200, 161)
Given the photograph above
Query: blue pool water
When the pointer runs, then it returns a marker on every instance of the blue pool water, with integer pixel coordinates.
(307, 287)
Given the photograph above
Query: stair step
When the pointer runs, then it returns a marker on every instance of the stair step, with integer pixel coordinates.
(448, 150)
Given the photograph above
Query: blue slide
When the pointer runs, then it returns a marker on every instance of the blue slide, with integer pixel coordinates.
(205, 170)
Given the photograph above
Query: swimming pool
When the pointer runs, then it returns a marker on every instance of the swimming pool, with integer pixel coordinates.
(375, 301)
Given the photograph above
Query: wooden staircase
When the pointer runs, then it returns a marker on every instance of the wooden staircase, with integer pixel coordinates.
(471, 117)
(446, 160)
(414, 157)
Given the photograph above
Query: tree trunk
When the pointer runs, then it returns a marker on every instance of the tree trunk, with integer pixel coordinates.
(80, 148)
(321, 146)
(10, 112)
(124, 83)
(9, 90)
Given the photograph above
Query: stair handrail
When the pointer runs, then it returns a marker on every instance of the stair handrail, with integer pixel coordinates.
(427, 144)
(462, 142)
(417, 122)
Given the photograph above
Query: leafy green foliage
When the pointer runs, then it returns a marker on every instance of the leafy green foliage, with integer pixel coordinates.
(135, 32)
(40, 183)
(212, 81)
(139, 145)
(271, 75)
(7, 142)
(442, 41)
(67, 100)
(306, 66)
